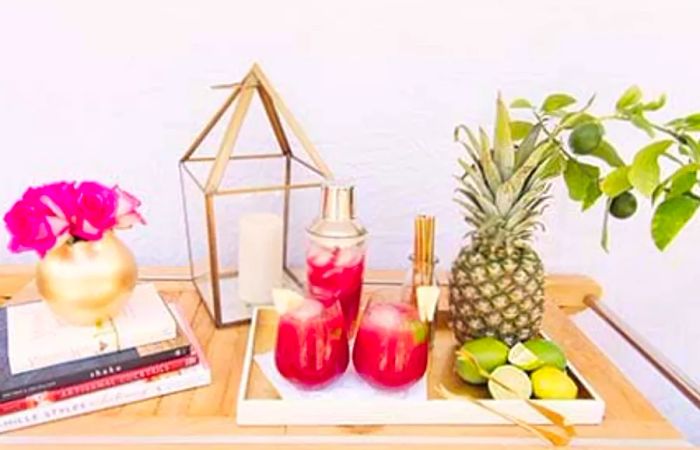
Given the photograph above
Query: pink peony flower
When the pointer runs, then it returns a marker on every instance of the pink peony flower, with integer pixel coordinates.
(31, 228)
(49, 215)
(57, 199)
(127, 215)
(96, 211)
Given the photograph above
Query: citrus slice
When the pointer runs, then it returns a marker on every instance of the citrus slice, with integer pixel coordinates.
(523, 358)
(286, 300)
(548, 352)
(427, 298)
(509, 383)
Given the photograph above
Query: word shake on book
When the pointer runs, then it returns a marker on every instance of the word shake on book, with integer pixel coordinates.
(50, 370)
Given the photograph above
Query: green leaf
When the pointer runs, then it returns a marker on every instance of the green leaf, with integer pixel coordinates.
(616, 182)
(676, 123)
(557, 101)
(629, 98)
(645, 173)
(682, 184)
(521, 103)
(553, 167)
(607, 153)
(593, 193)
(670, 218)
(691, 145)
(490, 169)
(683, 172)
(693, 119)
(519, 129)
(528, 145)
(579, 177)
(503, 150)
(656, 104)
(643, 124)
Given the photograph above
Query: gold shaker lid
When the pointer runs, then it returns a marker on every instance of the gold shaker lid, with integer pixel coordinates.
(337, 214)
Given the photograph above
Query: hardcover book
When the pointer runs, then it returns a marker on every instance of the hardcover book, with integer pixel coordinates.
(69, 373)
(46, 408)
(38, 338)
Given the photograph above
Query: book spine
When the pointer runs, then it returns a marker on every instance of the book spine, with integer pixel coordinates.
(17, 405)
(94, 373)
(132, 392)
(120, 378)
(96, 385)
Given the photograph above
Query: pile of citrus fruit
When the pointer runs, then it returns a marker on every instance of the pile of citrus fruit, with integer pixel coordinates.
(535, 367)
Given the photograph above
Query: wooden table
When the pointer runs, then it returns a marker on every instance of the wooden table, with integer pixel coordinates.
(206, 416)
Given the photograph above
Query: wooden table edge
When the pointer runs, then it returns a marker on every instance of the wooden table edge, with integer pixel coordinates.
(178, 274)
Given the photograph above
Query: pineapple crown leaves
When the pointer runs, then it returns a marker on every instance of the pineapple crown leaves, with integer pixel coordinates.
(504, 188)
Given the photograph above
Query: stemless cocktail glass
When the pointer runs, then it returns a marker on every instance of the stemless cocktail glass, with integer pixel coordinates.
(312, 345)
(391, 344)
(334, 273)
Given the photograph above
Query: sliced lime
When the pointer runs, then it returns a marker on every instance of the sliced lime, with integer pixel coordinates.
(548, 352)
(509, 383)
(521, 357)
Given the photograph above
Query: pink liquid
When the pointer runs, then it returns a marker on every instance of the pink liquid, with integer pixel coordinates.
(312, 346)
(391, 345)
(336, 275)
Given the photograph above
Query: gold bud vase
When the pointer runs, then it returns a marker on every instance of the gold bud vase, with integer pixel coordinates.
(86, 282)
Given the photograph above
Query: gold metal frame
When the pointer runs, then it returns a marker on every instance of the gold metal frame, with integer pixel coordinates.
(241, 95)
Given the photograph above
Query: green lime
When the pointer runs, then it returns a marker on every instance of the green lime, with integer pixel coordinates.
(509, 383)
(523, 358)
(585, 138)
(547, 352)
(623, 206)
(488, 352)
(553, 384)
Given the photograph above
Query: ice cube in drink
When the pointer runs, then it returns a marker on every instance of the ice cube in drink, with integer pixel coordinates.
(335, 274)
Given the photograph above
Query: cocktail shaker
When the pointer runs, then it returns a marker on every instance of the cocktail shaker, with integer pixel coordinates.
(335, 257)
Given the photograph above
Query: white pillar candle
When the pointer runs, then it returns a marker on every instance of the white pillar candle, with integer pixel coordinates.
(260, 251)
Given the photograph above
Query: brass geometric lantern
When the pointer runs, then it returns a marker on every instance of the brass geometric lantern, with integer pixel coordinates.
(218, 189)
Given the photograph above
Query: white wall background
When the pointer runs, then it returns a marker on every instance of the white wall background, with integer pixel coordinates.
(115, 91)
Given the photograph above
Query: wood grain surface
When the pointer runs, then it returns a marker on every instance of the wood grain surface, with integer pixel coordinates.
(207, 415)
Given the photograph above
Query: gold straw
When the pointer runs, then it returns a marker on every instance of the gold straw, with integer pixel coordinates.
(423, 252)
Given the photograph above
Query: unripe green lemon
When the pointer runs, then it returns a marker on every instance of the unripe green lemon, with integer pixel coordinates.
(585, 138)
(547, 352)
(623, 206)
(488, 352)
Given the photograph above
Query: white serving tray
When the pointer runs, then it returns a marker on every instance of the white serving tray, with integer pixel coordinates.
(260, 404)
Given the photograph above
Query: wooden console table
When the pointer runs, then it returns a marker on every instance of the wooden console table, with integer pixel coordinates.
(205, 417)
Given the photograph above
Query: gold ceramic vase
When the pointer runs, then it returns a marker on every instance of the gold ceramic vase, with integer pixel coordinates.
(87, 282)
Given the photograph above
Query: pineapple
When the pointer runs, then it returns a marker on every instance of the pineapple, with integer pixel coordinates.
(497, 281)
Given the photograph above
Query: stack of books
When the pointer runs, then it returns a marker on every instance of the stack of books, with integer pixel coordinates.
(51, 370)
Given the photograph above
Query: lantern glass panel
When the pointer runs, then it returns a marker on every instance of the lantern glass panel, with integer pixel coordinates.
(197, 236)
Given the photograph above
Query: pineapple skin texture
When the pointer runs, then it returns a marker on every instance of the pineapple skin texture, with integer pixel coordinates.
(498, 292)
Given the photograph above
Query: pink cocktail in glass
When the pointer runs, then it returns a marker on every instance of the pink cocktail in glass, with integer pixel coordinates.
(335, 274)
(312, 345)
(391, 345)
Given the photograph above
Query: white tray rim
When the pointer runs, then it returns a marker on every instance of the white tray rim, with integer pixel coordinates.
(403, 412)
